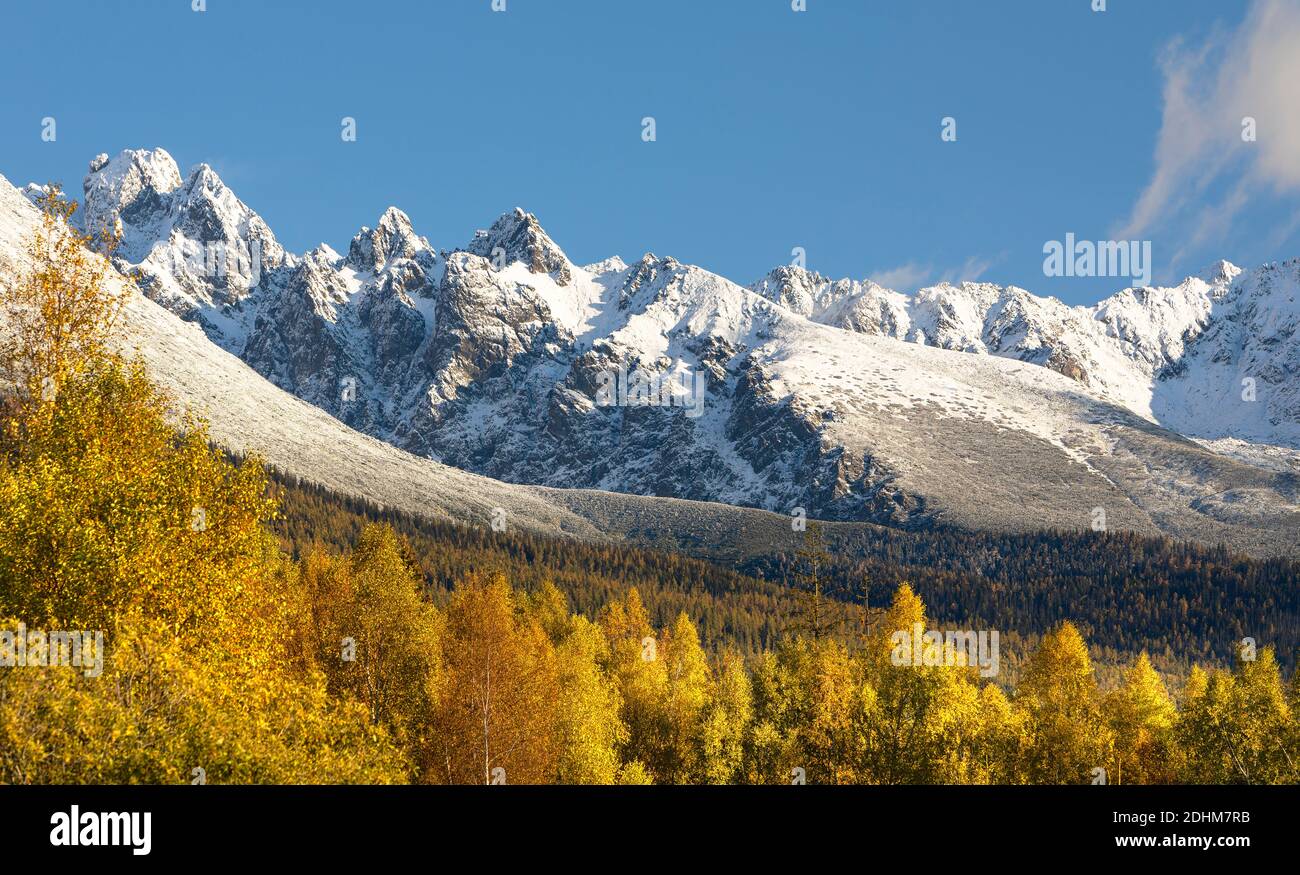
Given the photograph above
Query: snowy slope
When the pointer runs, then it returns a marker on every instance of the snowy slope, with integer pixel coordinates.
(1181, 356)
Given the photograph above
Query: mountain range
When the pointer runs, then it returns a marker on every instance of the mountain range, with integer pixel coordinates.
(477, 376)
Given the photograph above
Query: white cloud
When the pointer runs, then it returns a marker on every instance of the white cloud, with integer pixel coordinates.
(1205, 173)
(912, 276)
(970, 271)
(905, 277)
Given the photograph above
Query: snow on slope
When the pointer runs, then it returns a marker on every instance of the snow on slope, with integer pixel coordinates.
(488, 357)
(1178, 356)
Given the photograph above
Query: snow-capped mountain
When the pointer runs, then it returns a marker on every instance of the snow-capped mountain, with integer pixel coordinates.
(973, 405)
(200, 247)
(1213, 357)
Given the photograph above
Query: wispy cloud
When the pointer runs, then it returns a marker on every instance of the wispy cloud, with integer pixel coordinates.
(1205, 172)
(913, 275)
(905, 277)
(970, 270)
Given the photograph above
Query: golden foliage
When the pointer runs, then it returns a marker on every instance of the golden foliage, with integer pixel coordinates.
(118, 519)
(62, 312)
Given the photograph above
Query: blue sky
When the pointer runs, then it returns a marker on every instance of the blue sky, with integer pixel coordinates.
(775, 129)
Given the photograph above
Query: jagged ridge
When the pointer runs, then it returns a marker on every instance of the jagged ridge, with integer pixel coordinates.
(489, 357)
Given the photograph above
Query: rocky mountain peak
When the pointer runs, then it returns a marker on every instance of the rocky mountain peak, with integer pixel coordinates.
(793, 287)
(613, 264)
(1220, 273)
(133, 187)
(324, 252)
(520, 236)
(392, 238)
(203, 179)
(196, 242)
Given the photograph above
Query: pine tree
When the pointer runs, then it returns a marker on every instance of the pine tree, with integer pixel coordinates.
(726, 722)
(686, 701)
(815, 616)
(923, 722)
(640, 672)
(374, 637)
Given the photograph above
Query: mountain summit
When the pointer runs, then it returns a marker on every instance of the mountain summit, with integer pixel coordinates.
(517, 237)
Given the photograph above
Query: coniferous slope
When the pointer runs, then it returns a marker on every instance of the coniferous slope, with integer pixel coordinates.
(730, 608)
(1180, 602)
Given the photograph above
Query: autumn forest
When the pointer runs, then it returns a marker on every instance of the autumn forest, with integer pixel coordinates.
(261, 630)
